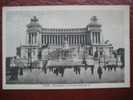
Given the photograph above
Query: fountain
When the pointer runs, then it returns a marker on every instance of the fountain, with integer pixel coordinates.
(66, 57)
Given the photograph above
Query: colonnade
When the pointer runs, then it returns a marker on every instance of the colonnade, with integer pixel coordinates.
(95, 37)
(32, 38)
(59, 39)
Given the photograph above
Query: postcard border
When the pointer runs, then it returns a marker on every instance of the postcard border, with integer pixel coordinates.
(126, 84)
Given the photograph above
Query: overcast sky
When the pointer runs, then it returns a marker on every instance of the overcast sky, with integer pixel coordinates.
(112, 21)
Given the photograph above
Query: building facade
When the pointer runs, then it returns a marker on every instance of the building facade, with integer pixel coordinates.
(47, 40)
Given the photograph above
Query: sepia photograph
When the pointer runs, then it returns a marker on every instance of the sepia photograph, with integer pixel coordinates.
(66, 47)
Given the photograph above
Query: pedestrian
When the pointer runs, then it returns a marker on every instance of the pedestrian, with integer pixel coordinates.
(100, 72)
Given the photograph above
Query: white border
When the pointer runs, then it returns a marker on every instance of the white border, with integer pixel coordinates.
(126, 84)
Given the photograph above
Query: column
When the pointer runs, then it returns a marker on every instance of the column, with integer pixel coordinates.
(42, 39)
(75, 39)
(32, 38)
(29, 38)
(39, 38)
(54, 39)
(58, 40)
(35, 38)
(49, 38)
(78, 39)
(93, 38)
(26, 41)
(61, 39)
(83, 39)
(46, 39)
(64, 38)
(96, 36)
(69, 39)
(99, 37)
(72, 39)
(89, 38)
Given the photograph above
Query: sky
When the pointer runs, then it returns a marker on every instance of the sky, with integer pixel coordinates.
(113, 24)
